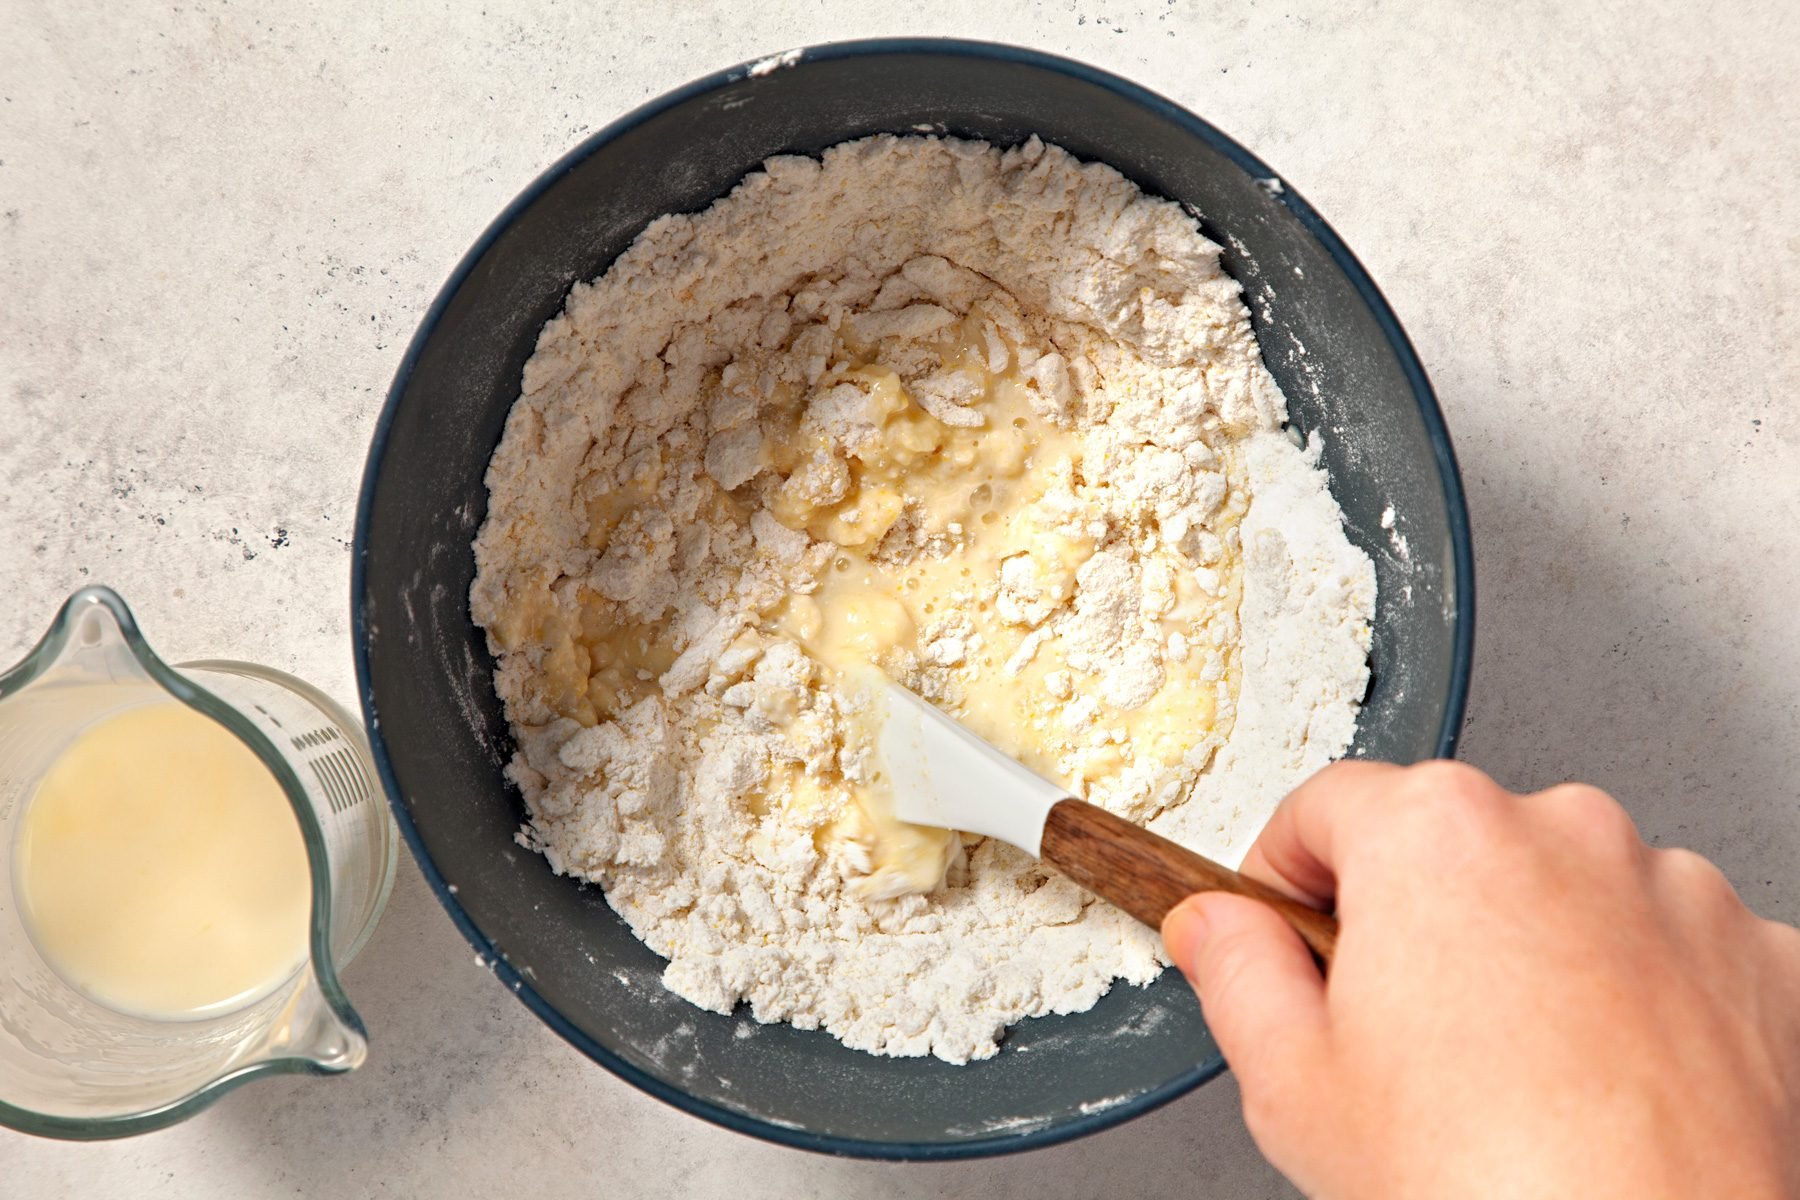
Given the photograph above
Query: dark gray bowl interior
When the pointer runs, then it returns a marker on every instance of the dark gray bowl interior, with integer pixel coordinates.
(424, 669)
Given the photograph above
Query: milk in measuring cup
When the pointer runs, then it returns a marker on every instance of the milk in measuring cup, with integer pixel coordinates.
(160, 869)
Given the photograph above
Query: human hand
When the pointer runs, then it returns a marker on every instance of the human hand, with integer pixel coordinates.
(1526, 1000)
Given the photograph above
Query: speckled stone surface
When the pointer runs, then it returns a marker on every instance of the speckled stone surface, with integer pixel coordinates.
(219, 227)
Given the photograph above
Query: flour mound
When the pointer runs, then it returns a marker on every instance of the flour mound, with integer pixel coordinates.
(681, 472)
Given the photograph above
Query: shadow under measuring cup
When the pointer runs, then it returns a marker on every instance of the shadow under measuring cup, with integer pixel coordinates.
(73, 1067)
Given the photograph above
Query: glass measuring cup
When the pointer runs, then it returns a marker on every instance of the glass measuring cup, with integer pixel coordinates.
(71, 1067)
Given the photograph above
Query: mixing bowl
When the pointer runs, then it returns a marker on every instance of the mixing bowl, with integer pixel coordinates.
(424, 671)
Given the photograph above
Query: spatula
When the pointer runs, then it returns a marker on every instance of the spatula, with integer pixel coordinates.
(943, 775)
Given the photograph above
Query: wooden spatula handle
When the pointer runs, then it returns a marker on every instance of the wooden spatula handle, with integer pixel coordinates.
(1147, 875)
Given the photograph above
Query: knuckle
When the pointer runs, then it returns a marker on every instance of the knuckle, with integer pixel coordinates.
(1447, 778)
(1597, 819)
(1454, 802)
(1694, 879)
(1453, 788)
(1585, 798)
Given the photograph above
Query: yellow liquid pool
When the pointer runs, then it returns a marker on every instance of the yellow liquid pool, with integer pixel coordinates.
(160, 868)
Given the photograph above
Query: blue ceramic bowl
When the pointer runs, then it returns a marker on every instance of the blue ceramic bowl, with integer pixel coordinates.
(425, 674)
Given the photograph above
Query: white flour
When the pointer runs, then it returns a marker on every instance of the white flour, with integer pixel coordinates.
(1185, 640)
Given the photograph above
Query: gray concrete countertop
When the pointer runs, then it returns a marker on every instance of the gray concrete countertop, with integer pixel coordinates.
(219, 226)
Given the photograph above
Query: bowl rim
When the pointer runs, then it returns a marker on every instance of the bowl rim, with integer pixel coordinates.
(1462, 554)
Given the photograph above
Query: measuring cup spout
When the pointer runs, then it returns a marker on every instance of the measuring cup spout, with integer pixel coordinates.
(311, 1029)
(93, 639)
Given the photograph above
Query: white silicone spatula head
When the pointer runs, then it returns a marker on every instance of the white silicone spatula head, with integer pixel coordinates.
(941, 774)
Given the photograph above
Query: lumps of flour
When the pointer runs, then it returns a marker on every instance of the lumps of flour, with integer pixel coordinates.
(735, 455)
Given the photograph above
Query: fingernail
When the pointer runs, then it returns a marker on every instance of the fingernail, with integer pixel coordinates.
(1183, 930)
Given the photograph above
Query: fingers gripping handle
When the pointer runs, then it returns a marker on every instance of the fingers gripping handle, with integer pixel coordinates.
(1147, 875)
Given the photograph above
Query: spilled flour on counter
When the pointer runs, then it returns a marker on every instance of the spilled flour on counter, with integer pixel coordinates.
(992, 421)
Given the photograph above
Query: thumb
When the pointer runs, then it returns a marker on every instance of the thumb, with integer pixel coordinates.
(1259, 989)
